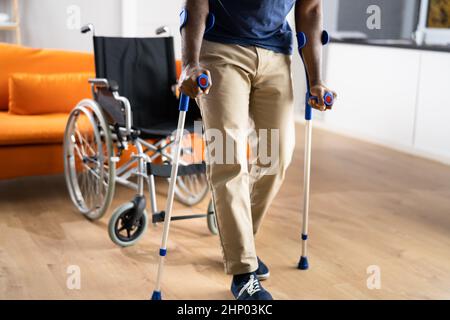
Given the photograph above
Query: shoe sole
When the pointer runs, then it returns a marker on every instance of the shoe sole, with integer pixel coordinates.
(262, 277)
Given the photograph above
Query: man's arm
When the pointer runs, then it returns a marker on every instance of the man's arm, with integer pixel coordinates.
(308, 19)
(191, 42)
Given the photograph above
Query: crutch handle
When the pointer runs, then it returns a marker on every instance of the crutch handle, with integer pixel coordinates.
(203, 83)
(328, 98)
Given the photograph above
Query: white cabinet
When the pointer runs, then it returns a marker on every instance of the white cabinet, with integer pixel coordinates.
(396, 97)
(376, 89)
(433, 106)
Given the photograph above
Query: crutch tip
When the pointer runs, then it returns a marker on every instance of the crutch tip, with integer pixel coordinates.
(303, 263)
(156, 295)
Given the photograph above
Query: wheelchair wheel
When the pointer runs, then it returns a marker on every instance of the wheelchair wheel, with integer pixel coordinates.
(88, 166)
(191, 190)
(121, 229)
(211, 219)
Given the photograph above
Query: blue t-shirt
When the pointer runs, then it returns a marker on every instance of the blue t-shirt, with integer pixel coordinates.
(260, 23)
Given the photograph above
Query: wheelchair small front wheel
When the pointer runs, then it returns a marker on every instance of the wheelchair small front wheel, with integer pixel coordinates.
(121, 228)
(211, 219)
(192, 189)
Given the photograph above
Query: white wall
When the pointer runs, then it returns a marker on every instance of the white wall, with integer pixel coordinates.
(330, 14)
(377, 91)
(394, 97)
(47, 23)
(432, 127)
(142, 17)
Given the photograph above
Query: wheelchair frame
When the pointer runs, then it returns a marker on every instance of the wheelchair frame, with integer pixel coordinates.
(140, 165)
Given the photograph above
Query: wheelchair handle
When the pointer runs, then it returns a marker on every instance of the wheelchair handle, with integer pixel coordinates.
(87, 28)
(203, 83)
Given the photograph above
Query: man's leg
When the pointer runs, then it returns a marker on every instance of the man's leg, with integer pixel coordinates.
(272, 108)
(225, 110)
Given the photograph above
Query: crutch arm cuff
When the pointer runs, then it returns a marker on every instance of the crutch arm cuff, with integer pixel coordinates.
(302, 40)
(184, 18)
(325, 37)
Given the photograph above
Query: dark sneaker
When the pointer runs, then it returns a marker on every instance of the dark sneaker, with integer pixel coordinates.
(263, 272)
(247, 287)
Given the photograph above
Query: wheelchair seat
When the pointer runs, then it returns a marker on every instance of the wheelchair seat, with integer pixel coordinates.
(145, 72)
(164, 129)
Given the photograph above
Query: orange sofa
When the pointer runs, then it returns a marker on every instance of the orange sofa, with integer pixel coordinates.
(31, 141)
(31, 144)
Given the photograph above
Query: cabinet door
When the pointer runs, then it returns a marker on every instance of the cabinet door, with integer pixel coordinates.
(433, 108)
(376, 89)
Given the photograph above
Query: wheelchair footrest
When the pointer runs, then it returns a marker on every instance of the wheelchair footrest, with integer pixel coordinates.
(164, 170)
(159, 217)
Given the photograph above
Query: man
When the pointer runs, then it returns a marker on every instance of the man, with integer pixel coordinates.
(247, 55)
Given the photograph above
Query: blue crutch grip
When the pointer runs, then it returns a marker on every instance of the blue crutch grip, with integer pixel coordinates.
(328, 99)
(203, 83)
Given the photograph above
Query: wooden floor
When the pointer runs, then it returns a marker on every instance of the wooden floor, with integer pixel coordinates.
(370, 206)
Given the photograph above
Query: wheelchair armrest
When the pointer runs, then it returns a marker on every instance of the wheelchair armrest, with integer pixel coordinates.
(110, 88)
(105, 83)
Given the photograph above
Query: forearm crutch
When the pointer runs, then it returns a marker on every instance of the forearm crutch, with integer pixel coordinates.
(328, 99)
(203, 83)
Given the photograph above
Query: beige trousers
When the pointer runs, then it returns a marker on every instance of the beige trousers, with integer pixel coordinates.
(252, 88)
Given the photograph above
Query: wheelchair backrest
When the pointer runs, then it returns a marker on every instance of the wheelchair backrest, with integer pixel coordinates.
(145, 70)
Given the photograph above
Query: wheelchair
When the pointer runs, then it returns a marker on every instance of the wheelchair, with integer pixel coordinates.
(125, 134)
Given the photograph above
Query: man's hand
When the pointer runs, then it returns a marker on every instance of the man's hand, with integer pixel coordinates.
(188, 81)
(319, 90)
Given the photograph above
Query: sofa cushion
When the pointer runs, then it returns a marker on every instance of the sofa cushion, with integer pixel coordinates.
(31, 94)
(38, 129)
(18, 59)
